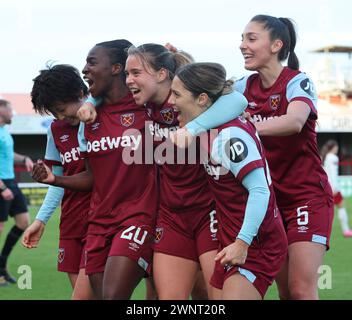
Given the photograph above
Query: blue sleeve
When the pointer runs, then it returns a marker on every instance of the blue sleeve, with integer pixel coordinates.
(301, 87)
(51, 152)
(235, 149)
(94, 101)
(241, 84)
(257, 204)
(52, 199)
(226, 108)
(81, 138)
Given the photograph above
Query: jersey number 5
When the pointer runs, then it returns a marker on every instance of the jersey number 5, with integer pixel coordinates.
(302, 216)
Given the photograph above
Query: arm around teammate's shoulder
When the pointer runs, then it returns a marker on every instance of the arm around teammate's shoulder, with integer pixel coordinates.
(290, 123)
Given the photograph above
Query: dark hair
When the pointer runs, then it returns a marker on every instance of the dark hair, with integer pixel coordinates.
(327, 147)
(4, 103)
(117, 51)
(60, 83)
(158, 57)
(283, 29)
(205, 77)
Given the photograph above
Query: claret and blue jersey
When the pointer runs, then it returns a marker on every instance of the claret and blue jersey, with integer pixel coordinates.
(293, 181)
(62, 150)
(122, 191)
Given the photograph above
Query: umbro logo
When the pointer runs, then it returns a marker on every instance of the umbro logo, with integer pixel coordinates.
(275, 100)
(252, 105)
(95, 126)
(64, 138)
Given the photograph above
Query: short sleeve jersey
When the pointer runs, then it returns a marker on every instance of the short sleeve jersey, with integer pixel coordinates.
(294, 161)
(124, 186)
(235, 151)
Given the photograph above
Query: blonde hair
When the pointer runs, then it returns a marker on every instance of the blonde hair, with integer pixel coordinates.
(157, 57)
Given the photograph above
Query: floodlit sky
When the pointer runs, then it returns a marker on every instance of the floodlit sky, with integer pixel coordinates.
(35, 31)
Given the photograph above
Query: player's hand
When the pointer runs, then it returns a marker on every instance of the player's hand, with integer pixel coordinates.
(33, 234)
(7, 194)
(87, 113)
(233, 254)
(42, 173)
(181, 138)
(247, 116)
(28, 163)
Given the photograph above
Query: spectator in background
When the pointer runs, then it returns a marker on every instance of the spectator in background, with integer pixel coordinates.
(330, 160)
(12, 201)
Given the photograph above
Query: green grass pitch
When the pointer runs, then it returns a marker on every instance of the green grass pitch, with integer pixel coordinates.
(48, 283)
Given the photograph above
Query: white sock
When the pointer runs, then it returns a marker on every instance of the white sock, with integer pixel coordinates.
(343, 217)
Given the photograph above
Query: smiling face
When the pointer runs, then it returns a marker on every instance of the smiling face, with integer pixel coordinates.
(142, 80)
(257, 48)
(188, 106)
(67, 111)
(98, 71)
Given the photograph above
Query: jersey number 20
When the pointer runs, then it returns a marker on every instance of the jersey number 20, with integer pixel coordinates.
(130, 233)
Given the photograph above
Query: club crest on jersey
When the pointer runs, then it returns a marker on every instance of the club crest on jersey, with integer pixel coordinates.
(64, 138)
(275, 101)
(158, 234)
(127, 119)
(61, 255)
(167, 115)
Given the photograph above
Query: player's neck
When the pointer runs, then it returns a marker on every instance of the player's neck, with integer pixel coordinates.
(161, 96)
(269, 74)
(115, 94)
